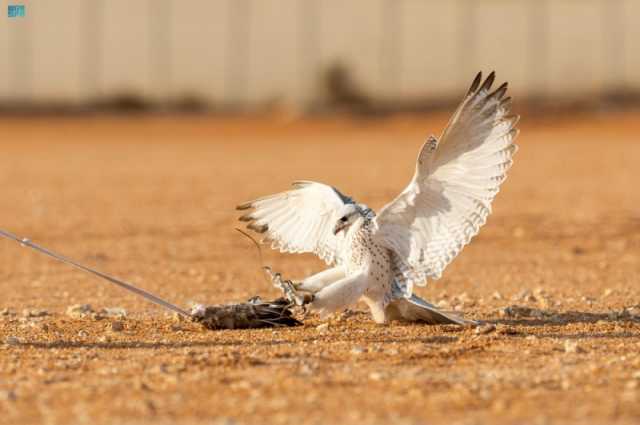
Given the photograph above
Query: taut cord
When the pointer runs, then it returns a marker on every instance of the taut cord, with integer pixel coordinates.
(129, 287)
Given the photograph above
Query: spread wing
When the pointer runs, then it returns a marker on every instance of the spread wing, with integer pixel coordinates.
(300, 220)
(456, 180)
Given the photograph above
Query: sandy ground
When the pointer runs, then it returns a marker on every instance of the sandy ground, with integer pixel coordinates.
(151, 200)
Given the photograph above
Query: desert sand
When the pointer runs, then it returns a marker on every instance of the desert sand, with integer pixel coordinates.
(553, 274)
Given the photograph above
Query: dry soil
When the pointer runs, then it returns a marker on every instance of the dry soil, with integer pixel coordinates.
(151, 199)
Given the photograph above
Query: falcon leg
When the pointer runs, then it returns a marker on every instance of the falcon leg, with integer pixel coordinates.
(318, 281)
(378, 310)
(339, 295)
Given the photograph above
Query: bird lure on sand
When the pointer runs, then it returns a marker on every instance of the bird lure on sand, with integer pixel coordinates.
(255, 313)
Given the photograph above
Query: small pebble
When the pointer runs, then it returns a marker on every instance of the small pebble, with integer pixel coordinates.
(578, 250)
(485, 329)
(306, 369)
(572, 346)
(443, 304)
(117, 326)
(545, 303)
(346, 314)
(117, 312)
(8, 395)
(324, 327)
(633, 311)
(78, 311)
(34, 312)
(507, 330)
(357, 350)
(625, 314)
(12, 340)
(525, 295)
(180, 318)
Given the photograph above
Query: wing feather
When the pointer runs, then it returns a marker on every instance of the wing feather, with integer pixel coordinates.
(299, 220)
(456, 180)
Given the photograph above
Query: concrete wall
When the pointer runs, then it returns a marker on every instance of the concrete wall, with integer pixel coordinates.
(250, 51)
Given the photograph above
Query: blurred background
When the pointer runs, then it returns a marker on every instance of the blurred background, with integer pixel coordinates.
(315, 55)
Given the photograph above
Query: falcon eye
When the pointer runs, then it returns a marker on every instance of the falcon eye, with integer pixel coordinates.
(343, 219)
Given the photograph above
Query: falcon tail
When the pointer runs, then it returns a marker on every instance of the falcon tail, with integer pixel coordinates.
(415, 309)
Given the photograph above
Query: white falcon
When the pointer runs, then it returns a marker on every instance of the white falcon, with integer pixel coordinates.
(379, 258)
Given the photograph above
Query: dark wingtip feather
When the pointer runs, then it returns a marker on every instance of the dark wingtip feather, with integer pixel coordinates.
(246, 217)
(489, 81)
(476, 83)
(258, 228)
(500, 91)
(244, 206)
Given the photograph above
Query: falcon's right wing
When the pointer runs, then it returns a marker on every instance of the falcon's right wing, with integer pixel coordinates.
(455, 182)
(300, 220)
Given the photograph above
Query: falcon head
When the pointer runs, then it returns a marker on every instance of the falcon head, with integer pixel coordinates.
(349, 213)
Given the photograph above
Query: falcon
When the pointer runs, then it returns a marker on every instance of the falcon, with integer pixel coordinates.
(380, 257)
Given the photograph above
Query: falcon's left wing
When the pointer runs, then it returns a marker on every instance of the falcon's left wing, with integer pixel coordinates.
(456, 180)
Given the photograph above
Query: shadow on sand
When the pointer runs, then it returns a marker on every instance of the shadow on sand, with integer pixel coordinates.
(517, 320)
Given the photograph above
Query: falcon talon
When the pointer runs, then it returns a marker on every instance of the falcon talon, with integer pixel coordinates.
(305, 308)
(275, 277)
(255, 300)
(291, 294)
(286, 286)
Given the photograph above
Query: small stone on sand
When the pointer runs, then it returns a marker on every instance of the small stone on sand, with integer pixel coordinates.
(323, 327)
(8, 395)
(571, 346)
(117, 326)
(34, 312)
(357, 350)
(12, 340)
(485, 329)
(117, 312)
(78, 311)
